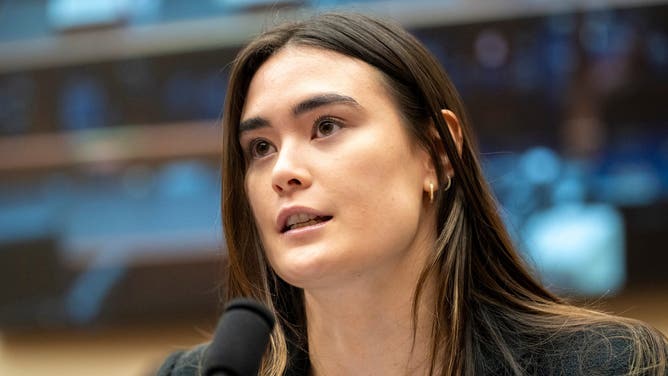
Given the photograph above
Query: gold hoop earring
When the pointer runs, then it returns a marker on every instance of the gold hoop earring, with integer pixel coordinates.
(431, 192)
(449, 183)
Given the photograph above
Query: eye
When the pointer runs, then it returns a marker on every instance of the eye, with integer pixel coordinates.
(260, 148)
(325, 126)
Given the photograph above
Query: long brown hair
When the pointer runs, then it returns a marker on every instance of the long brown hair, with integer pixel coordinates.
(488, 304)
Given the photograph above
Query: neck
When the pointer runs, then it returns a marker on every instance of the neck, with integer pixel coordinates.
(368, 329)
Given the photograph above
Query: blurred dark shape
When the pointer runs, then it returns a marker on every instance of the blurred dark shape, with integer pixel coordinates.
(184, 290)
(33, 283)
(646, 259)
(36, 285)
(17, 94)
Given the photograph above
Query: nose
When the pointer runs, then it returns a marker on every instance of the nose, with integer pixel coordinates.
(290, 172)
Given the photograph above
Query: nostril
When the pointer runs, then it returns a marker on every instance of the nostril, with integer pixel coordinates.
(294, 181)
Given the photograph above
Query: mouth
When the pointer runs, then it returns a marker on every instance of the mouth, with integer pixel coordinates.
(300, 220)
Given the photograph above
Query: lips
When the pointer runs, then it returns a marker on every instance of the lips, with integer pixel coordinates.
(303, 220)
(294, 218)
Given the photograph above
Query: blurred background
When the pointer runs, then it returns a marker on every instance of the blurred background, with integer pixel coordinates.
(111, 250)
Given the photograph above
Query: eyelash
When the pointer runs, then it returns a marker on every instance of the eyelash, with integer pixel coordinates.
(250, 150)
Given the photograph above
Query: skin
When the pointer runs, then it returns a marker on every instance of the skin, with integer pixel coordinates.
(322, 136)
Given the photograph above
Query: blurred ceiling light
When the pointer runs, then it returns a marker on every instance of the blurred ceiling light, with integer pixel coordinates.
(491, 49)
(69, 15)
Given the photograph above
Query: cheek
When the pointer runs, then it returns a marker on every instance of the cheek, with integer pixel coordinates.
(383, 182)
(386, 170)
(257, 198)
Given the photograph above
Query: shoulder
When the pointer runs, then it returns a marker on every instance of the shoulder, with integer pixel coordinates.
(184, 363)
(604, 349)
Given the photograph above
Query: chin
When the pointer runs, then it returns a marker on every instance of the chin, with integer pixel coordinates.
(302, 271)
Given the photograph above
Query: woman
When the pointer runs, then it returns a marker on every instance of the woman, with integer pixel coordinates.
(355, 208)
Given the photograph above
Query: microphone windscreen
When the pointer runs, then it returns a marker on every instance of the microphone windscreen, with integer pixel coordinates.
(240, 339)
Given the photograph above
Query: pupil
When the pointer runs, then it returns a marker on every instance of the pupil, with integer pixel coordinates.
(326, 128)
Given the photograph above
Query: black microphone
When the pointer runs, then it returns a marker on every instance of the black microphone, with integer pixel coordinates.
(240, 339)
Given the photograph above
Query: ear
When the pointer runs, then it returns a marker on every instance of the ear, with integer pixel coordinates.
(455, 129)
(456, 133)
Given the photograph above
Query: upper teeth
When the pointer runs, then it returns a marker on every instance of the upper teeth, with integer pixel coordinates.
(299, 218)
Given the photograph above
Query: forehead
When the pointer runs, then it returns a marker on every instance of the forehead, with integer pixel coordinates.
(295, 72)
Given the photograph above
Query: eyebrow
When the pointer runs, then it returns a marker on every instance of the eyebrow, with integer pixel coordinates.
(322, 100)
(302, 107)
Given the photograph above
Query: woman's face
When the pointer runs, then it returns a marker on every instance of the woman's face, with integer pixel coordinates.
(336, 185)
